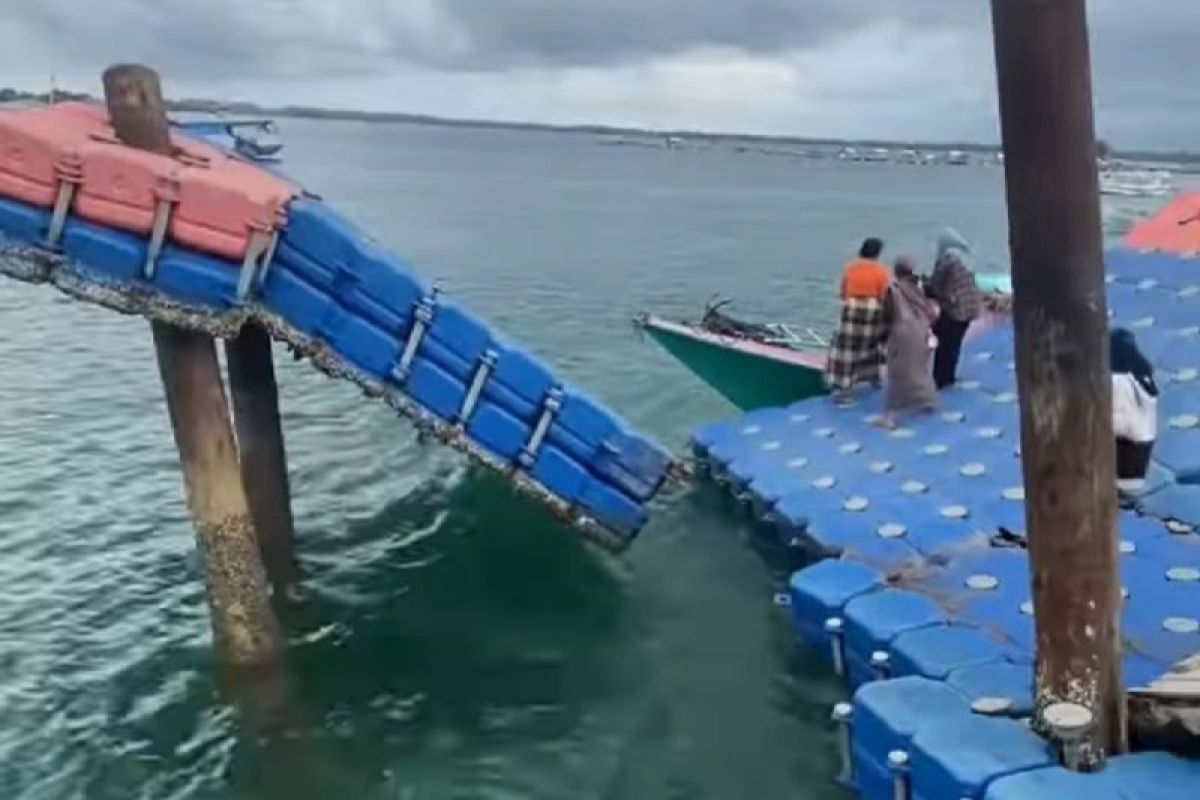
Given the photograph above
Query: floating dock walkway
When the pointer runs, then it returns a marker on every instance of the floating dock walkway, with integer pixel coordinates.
(921, 591)
(209, 242)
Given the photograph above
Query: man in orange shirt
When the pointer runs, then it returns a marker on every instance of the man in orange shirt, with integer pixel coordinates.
(856, 353)
(866, 277)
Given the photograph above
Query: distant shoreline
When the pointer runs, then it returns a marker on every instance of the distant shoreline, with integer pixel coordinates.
(197, 106)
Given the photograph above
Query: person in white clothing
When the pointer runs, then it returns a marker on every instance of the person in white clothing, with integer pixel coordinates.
(1135, 409)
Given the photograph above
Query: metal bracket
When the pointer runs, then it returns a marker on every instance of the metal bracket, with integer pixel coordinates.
(256, 253)
(835, 627)
(843, 718)
(550, 409)
(268, 261)
(423, 314)
(1070, 725)
(486, 364)
(881, 664)
(62, 206)
(70, 176)
(158, 236)
(899, 764)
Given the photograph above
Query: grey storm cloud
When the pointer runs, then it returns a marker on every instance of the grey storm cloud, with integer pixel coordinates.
(590, 32)
(1142, 50)
(211, 38)
(290, 37)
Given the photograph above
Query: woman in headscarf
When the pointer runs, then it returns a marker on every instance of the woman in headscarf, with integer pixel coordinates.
(953, 286)
(909, 315)
(1135, 409)
(855, 355)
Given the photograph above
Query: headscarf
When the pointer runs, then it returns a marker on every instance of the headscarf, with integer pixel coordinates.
(913, 298)
(1127, 359)
(950, 242)
(904, 268)
(952, 283)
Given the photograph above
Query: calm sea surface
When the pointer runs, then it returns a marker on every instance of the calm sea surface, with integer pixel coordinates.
(456, 643)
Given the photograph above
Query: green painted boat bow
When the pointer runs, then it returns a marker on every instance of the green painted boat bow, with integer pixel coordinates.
(748, 373)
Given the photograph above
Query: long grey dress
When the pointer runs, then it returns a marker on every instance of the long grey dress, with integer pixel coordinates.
(910, 315)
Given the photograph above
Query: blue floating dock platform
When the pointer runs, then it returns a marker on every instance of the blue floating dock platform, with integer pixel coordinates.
(360, 312)
(920, 595)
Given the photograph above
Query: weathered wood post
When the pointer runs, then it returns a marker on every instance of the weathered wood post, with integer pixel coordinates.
(1061, 320)
(263, 456)
(244, 625)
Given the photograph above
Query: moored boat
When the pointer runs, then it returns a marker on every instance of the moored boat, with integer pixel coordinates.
(752, 366)
(253, 139)
(761, 365)
(1136, 183)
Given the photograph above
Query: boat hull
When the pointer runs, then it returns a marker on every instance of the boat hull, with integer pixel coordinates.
(752, 375)
(748, 374)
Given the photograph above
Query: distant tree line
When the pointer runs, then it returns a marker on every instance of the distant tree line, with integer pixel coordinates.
(7, 95)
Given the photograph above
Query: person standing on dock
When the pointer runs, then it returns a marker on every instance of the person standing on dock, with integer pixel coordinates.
(856, 355)
(1135, 409)
(953, 286)
(909, 316)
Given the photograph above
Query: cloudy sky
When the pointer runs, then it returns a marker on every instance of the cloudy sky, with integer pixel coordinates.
(900, 69)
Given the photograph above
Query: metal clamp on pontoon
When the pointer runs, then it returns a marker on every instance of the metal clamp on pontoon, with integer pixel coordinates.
(70, 176)
(881, 664)
(255, 259)
(899, 766)
(836, 627)
(268, 261)
(1070, 724)
(550, 409)
(166, 193)
(843, 718)
(486, 364)
(423, 318)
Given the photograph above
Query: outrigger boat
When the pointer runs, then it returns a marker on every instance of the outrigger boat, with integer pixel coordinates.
(253, 139)
(762, 365)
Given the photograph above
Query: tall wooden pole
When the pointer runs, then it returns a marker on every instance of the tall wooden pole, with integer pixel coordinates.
(1061, 320)
(244, 625)
(264, 458)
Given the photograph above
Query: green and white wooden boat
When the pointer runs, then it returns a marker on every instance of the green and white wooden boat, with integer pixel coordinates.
(773, 366)
(762, 366)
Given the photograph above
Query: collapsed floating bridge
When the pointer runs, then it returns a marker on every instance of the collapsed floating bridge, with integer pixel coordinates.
(207, 241)
(921, 594)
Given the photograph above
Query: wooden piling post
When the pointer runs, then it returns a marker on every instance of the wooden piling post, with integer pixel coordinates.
(263, 456)
(244, 624)
(1061, 321)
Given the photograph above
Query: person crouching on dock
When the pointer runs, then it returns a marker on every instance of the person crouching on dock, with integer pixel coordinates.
(1135, 409)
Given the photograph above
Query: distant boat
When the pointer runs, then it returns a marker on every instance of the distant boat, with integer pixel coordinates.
(626, 141)
(253, 139)
(1136, 183)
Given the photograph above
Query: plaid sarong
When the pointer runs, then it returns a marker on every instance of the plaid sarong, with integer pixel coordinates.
(856, 353)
